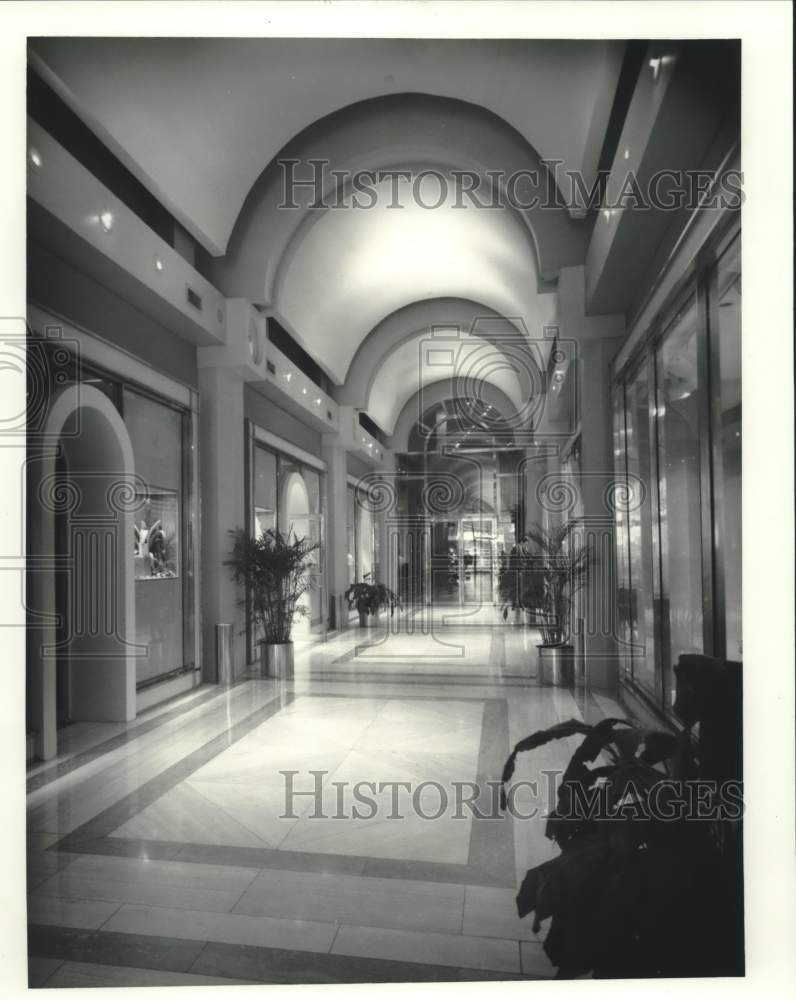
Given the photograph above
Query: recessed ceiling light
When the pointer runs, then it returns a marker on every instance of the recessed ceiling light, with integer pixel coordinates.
(35, 158)
(627, 154)
(158, 264)
(370, 444)
(318, 400)
(607, 214)
(304, 391)
(288, 376)
(106, 220)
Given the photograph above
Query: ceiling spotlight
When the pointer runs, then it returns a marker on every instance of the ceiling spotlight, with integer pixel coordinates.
(370, 444)
(657, 63)
(158, 264)
(35, 158)
(627, 154)
(318, 400)
(106, 220)
(607, 214)
(304, 391)
(288, 376)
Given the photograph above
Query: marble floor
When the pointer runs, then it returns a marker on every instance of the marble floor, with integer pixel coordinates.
(170, 851)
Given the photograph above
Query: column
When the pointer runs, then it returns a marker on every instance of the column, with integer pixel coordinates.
(539, 461)
(222, 474)
(596, 339)
(387, 569)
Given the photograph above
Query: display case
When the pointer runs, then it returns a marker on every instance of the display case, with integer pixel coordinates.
(156, 536)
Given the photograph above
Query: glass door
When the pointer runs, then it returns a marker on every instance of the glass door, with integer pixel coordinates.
(643, 586)
(725, 351)
(478, 540)
(678, 427)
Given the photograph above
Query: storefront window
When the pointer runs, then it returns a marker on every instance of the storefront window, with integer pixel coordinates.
(726, 345)
(351, 520)
(365, 545)
(156, 431)
(287, 495)
(640, 530)
(264, 490)
(624, 610)
(301, 515)
(680, 502)
(679, 552)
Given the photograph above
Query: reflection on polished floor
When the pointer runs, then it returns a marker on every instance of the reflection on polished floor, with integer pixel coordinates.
(162, 852)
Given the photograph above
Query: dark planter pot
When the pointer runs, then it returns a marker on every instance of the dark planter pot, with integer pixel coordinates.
(556, 666)
(368, 619)
(276, 659)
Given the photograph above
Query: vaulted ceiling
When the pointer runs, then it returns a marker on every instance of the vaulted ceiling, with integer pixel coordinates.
(198, 119)
(203, 123)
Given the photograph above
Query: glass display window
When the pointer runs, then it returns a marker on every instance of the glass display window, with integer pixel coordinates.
(678, 429)
(156, 535)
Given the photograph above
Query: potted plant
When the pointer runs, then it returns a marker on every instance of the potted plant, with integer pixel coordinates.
(514, 583)
(641, 888)
(556, 567)
(370, 599)
(274, 569)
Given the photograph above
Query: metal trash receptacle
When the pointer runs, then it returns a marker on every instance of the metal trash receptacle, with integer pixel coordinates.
(223, 654)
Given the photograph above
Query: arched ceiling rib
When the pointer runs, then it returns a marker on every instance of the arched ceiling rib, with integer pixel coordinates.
(388, 134)
(424, 318)
(351, 268)
(454, 340)
(419, 362)
(423, 402)
(210, 113)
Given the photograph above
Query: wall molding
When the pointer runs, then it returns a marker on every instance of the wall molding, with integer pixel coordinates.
(265, 437)
(95, 350)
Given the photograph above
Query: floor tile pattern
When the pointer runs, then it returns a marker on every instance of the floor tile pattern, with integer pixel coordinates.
(160, 853)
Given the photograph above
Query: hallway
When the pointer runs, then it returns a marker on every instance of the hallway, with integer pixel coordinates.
(157, 855)
(384, 409)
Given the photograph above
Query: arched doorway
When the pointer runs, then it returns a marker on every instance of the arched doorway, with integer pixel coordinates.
(82, 483)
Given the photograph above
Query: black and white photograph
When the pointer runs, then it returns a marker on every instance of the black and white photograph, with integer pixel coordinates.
(399, 529)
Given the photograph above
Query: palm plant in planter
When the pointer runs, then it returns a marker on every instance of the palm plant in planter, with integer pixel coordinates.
(520, 583)
(274, 569)
(370, 599)
(557, 568)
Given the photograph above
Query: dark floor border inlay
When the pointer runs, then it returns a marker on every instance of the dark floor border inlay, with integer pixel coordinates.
(452, 680)
(110, 819)
(58, 770)
(490, 862)
(250, 963)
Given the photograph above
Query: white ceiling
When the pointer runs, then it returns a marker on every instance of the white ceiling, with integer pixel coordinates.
(198, 120)
(351, 269)
(422, 361)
